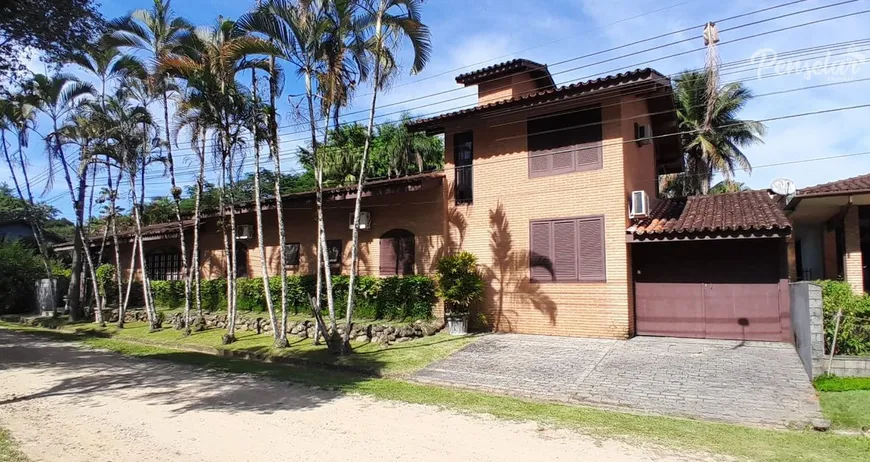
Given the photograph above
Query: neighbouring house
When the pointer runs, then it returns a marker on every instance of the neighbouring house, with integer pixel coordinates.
(832, 232)
(555, 190)
(14, 230)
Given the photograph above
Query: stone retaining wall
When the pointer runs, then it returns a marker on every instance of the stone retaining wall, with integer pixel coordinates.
(360, 332)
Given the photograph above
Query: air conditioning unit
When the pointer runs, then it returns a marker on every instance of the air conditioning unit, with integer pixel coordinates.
(639, 207)
(244, 231)
(643, 134)
(365, 220)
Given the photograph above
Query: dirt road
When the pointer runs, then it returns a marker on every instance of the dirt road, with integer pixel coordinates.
(70, 403)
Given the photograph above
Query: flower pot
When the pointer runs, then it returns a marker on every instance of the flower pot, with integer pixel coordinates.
(457, 324)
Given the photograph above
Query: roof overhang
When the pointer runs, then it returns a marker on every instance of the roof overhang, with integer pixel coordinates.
(632, 238)
(813, 208)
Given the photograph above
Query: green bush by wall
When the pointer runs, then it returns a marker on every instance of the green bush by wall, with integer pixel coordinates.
(377, 298)
(853, 337)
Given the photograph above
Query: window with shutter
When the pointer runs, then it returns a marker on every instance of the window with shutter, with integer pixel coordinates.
(397, 253)
(564, 143)
(567, 250)
(541, 252)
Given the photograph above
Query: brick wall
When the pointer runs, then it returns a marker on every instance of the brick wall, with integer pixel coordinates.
(852, 264)
(496, 226)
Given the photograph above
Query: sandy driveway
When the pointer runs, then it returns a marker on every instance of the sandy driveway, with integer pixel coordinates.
(64, 402)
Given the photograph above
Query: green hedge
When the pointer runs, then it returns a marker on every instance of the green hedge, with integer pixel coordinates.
(377, 298)
(853, 337)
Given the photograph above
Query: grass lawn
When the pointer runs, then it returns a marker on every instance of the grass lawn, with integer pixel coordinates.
(737, 441)
(845, 401)
(9, 450)
(397, 359)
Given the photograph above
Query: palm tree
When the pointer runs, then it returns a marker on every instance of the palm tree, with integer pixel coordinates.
(16, 117)
(345, 63)
(83, 131)
(298, 32)
(128, 143)
(386, 30)
(716, 149)
(57, 97)
(108, 65)
(209, 60)
(158, 32)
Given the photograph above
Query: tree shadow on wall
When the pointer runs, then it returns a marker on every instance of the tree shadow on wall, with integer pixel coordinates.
(451, 241)
(507, 279)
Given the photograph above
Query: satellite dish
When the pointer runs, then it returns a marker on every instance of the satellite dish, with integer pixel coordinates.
(783, 187)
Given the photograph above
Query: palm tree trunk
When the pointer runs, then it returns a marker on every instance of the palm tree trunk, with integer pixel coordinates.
(176, 200)
(194, 270)
(113, 217)
(319, 199)
(275, 153)
(258, 208)
(124, 305)
(354, 249)
(150, 311)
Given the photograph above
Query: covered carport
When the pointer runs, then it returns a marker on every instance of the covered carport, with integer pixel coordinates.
(712, 267)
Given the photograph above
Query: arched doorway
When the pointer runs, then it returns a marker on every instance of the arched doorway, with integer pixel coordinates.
(397, 248)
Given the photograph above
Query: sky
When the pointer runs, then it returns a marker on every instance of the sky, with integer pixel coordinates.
(808, 149)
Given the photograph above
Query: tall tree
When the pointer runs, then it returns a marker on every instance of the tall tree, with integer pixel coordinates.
(83, 131)
(54, 28)
(105, 62)
(128, 144)
(158, 32)
(17, 117)
(298, 31)
(57, 97)
(389, 22)
(210, 58)
(716, 148)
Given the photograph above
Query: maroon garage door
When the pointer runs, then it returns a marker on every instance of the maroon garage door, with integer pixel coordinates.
(713, 289)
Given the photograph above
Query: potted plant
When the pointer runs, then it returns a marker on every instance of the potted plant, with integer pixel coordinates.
(459, 285)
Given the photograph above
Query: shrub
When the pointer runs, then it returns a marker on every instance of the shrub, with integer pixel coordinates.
(168, 294)
(106, 282)
(376, 298)
(19, 270)
(853, 337)
(459, 281)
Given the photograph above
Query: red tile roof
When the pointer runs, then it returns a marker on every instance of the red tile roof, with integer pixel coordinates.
(547, 95)
(740, 212)
(849, 185)
(498, 70)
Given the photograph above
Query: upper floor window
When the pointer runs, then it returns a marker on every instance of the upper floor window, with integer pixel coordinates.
(564, 143)
(567, 250)
(164, 265)
(463, 158)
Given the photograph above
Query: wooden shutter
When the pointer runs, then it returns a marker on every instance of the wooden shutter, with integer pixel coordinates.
(562, 160)
(589, 146)
(565, 250)
(541, 263)
(388, 257)
(590, 233)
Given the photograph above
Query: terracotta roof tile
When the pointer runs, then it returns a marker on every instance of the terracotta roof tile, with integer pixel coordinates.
(547, 95)
(714, 214)
(849, 185)
(497, 70)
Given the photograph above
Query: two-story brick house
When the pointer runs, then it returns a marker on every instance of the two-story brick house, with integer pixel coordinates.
(538, 184)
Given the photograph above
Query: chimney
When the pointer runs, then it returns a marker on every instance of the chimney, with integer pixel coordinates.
(508, 80)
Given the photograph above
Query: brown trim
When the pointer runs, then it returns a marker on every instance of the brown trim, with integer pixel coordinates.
(648, 238)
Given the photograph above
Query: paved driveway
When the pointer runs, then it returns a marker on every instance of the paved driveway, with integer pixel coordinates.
(740, 382)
